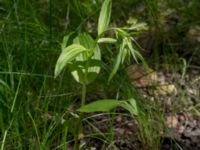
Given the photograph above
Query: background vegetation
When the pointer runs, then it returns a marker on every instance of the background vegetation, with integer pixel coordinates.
(37, 111)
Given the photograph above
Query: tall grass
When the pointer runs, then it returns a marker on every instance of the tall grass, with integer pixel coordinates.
(26, 88)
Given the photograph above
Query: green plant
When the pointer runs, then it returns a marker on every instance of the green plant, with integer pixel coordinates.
(149, 119)
(150, 126)
(82, 55)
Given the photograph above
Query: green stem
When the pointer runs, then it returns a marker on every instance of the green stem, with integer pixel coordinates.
(79, 124)
(83, 95)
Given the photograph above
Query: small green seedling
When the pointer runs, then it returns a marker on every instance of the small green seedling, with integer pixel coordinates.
(82, 55)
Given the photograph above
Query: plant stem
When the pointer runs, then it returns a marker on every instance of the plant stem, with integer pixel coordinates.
(79, 124)
(83, 95)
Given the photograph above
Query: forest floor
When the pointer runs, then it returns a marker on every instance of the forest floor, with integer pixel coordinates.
(178, 98)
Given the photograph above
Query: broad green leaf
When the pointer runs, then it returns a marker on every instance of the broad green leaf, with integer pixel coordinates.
(107, 40)
(94, 64)
(100, 106)
(65, 40)
(85, 40)
(118, 61)
(67, 55)
(83, 61)
(77, 69)
(104, 17)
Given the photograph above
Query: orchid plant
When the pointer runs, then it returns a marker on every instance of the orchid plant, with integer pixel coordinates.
(81, 53)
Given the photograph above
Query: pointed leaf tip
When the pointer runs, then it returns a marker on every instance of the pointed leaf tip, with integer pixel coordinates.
(104, 17)
(67, 55)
